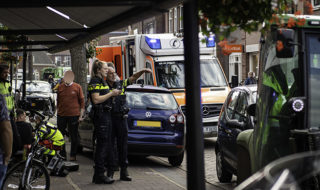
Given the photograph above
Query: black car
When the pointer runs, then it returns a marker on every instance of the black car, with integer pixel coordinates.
(233, 120)
(39, 96)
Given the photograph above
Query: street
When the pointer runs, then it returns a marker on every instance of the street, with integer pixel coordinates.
(147, 173)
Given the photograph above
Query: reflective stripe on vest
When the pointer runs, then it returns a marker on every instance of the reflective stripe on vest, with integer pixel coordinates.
(4, 90)
(97, 87)
(124, 86)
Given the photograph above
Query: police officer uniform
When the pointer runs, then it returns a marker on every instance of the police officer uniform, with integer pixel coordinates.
(120, 130)
(6, 92)
(102, 124)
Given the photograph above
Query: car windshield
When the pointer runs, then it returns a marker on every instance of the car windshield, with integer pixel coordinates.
(152, 101)
(38, 87)
(313, 57)
(170, 74)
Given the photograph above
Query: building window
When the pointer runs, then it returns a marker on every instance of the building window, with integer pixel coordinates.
(67, 61)
(57, 60)
(316, 3)
(175, 22)
(181, 17)
(170, 21)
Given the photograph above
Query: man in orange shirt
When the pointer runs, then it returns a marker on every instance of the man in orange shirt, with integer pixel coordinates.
(70, 105)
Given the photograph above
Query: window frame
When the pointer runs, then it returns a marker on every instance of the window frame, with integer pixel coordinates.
(181, 17)
(170, 23)
(175, 20)
(315, 7)
(149, 66)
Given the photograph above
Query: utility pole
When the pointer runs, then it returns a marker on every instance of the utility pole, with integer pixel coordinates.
(194, 145)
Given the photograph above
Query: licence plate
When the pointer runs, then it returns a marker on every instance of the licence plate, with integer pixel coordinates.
(33, 104)
(138, 123)
(209, 129)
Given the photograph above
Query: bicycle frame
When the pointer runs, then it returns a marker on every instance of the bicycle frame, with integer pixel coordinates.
(35, 151)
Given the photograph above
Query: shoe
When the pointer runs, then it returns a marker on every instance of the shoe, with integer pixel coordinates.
(110, 174)
(124, 176)
(73, 158)
(102, 179)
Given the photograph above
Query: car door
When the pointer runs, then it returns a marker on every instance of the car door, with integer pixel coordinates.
(225, 129)
(238, 124)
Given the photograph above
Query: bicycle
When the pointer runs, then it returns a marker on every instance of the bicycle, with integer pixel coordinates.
(32, 172)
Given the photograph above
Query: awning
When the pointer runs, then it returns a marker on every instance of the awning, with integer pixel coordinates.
(60, 25)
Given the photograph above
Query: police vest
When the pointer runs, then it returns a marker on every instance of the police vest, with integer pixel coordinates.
(119, 102)
(98, 85)
(5, 90)
(49, 131)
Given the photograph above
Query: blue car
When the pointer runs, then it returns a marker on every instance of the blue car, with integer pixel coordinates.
(155, 124)
(233, 120)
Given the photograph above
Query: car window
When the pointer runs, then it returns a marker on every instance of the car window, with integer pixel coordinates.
(242, 103)
(240, 111)
(232, 102)
(148, 100)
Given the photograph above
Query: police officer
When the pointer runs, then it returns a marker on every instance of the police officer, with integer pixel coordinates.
(119, 120)
(100, 96)
(6, 91)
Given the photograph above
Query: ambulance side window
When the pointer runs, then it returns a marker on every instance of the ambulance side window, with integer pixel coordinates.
(149, 79)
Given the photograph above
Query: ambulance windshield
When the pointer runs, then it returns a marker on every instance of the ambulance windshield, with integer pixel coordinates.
(170, 74)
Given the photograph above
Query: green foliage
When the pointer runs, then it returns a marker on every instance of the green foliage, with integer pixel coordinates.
(91, 49)
(7, 56)
(222, 17)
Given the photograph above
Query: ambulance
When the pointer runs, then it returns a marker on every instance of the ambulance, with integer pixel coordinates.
(164, 55)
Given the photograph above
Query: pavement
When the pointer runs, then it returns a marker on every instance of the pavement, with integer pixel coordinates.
(151, 173)
(147, 173)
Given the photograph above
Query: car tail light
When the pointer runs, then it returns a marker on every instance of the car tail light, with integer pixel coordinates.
(172, 119)
(180, 118)
(176, 118)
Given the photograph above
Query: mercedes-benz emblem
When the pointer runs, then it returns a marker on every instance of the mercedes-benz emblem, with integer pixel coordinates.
(175, 43)
(148, 114)
(205, 110)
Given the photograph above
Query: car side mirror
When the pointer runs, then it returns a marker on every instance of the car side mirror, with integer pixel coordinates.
(251, 109)
(236, 123)
(284, 43)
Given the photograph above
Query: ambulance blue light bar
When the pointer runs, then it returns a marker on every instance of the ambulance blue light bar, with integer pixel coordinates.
(210, 41)
(153, 43)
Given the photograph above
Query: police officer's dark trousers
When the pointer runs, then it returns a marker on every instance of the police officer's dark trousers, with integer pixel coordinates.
(120, 136)
(102, 123)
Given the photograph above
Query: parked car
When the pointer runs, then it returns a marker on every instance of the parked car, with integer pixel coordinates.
(233, 120)
(39, 96)
(155, 124)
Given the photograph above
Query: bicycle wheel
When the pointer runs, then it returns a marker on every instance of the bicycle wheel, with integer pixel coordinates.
(14, 176)
(37, 177)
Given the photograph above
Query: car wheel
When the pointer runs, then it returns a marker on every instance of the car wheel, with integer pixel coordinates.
(176, 160)
(223, 174)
